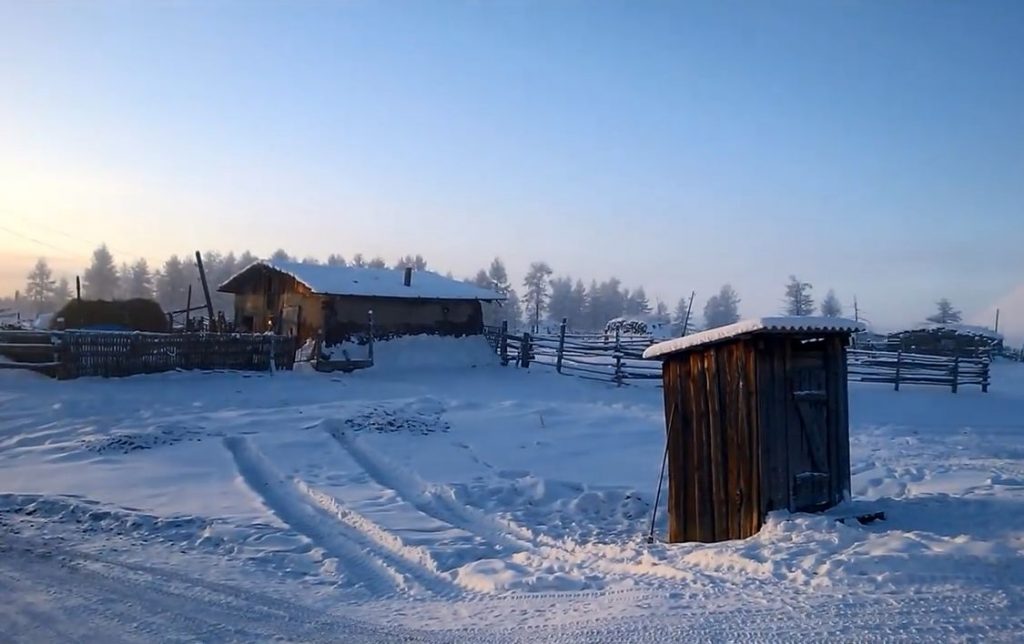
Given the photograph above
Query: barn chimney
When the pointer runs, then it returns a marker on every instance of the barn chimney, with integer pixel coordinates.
(408, 276)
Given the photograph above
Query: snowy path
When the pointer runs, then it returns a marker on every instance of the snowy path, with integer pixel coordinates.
(488, 505)
(50, 594)
(54, 594)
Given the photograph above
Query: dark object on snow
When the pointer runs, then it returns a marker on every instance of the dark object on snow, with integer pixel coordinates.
(117, 315)
(757, 421)
(870, 517)
(855, 512)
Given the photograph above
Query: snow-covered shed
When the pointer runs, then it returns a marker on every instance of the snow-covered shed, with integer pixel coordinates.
(757, 420)
(306, 299)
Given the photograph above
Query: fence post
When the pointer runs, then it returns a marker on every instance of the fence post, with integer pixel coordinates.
(371, 337)
(188, 309)
(524, 351)
(271, 366)
(618, 360)
(318, 348)
(956, 372)
(561, 345)
(503, 343)
(984, 376)
(61, 371)
(899, 362)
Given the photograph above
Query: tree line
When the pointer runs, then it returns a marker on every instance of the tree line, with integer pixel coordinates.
(168, 283)
(546, 298)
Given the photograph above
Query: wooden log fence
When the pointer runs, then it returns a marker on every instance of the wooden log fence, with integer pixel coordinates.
(75, 354)
(619, 359)
(607, 358)
(898, 368)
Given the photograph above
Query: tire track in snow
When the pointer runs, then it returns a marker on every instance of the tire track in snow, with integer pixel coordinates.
(368, 556)
(433, 500)
(439, 502)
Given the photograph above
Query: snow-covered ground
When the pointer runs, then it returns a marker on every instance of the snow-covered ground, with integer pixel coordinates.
(421, 502)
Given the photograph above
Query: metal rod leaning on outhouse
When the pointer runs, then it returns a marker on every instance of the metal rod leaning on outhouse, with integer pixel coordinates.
(661, 479)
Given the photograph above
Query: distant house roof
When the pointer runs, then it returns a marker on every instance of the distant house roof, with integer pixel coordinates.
(367, 282)
(746, 327)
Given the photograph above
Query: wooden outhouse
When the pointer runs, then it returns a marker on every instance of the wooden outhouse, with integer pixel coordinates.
(757, 420)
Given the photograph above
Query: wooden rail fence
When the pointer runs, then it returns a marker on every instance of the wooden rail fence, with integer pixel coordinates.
(612, 357)
(74, 354)
(898, 368)
(619, 359)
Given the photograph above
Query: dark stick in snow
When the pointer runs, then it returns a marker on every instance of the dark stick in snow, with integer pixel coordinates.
(661, 478)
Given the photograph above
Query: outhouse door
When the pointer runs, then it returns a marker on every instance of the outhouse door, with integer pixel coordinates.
(809, 463)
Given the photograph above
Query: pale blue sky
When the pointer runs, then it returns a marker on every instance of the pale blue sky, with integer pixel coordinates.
(874, 147)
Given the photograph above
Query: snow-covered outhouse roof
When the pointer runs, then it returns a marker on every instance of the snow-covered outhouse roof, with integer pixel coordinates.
(370, 282)
(746, 327)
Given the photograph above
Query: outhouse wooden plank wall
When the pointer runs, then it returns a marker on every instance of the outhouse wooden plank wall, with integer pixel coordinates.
(711, 407)
(757, 420)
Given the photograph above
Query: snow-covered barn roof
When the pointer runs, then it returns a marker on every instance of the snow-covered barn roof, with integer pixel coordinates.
(746, 327)
(368, 282)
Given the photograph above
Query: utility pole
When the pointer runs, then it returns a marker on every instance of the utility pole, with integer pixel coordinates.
(689, 307)
(206, 288)
(997, 321)
(856, 311)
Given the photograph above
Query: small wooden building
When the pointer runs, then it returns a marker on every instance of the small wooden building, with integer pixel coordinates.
(305, 300)
(757, 421)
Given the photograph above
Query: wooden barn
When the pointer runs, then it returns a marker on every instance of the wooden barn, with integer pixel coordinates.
(304, 300)
(757, 420)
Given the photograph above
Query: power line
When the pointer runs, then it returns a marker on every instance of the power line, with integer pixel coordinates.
(73, 254)
(62, 233)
